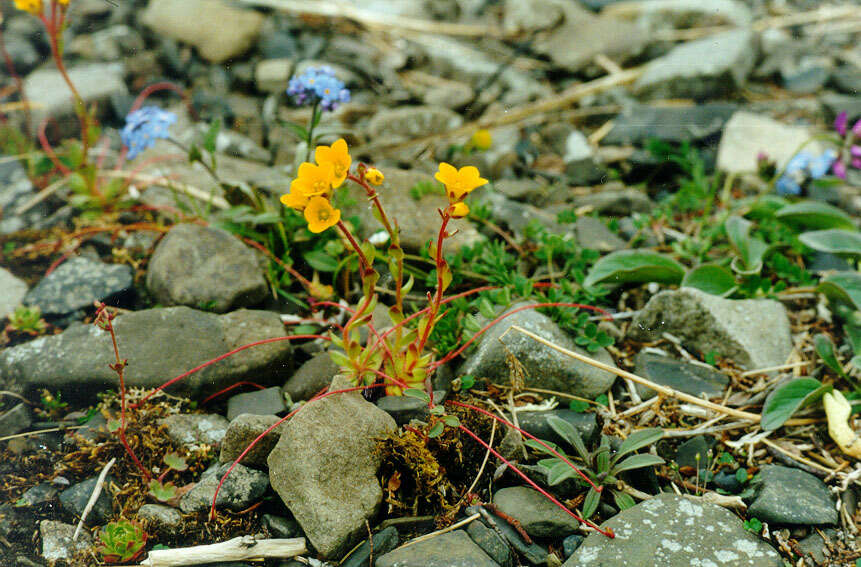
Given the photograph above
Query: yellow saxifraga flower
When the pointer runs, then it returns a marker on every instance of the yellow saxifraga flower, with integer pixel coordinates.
(313, 181)
(458, 182)
(481, 140)
(338, 156)
(321, 215)
(32, 6)
(374, 176)
(459, 210)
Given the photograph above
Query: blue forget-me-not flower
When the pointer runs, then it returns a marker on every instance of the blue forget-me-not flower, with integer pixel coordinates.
(143, 127)
(802, 167)
(318, 85)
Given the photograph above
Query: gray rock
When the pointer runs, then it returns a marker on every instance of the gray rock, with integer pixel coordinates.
(109, 44)
(753, 332)
(701, 69)
(618, 202)
(242, 488)
(418, 219)
(405, 409)
(244, 429)
(159, 517)
(545, 367)
(269, 401)
(50, 96)
(205, 268)
(675, 531)
(848, 79)
(384, 541)
(571, 543)
(159, 344)
(533, 553)
(24, 55)
(791, 496)
(815, 545)
(594, 234)
(217, 29)
(57, 543)
(655, 15)
(195, 429)
(806, 78)
(452, 94)
(281, 527)
(583, 35)
(689, 378)
(539, 516)
(747, 134)
(272, 75)
(408, 122)
(516, 215)
(530, 15)
(324, 469)
(16, 189)
(36, 496)
(15, 420)
(537, 423)
(581, 167)
(837, 103)
(12, 291)
(640, 123)
(493, 544)
(314, 375)
(694, 453)
(453, 549)
(74, 500)
(77, 283)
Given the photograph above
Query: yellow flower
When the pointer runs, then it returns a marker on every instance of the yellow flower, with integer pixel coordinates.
(314, 179)
(321, 215)
(338, 157)
(374, 176)
(458, 183)
(32, 6)
(63, 2)
(481, 140)
(459, 210)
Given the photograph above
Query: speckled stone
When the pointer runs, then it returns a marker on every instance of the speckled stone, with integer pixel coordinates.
(77, 283)
(785, 495)
(195, 429)
(538, 515)
(454, 549)
(242, 488)
(675, 531)
(57, 541)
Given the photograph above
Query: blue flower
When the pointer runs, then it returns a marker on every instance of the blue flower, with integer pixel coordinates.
(318, 85)
(143, 127)
(802, 167)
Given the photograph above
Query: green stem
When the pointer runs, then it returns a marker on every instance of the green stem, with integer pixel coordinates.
(314, 119)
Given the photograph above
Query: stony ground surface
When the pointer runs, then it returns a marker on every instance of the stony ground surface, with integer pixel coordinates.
(615, 127)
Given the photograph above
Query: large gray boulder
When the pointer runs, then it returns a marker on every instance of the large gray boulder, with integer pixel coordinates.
(205, 267)
(159, 344)
(77, 283)
(753, 332)
(545, 367)
(324, 468)
(675, 531)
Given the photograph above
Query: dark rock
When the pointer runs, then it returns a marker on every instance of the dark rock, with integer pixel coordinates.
(405, 409)
(77, 283)
(617, 202)
(159, 344)
(690, 378)
(814, 545)
(244, 429)
(791, 496)
(384, 541)
(806, 80)
(160, 518)
(57, 543)
(15, 420)
(533, 553)
(493, 544)
(269, 401)
(638, 124)
(539, 516)
(40, 494)
(848, 79)
(281, 527)
(242, 488)
(195, 429)
(727, 481)
(675, 531)
(694, 453)
(74, 500)
(536, 423)
(205, 268)
(312, 377)
(571, 543)
(452, 549)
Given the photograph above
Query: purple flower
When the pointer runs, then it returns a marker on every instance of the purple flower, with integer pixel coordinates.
(143, 127)
(318, 85)
(840, 123)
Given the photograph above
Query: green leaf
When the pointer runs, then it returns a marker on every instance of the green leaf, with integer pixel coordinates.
(211, 136)
(842, 287)
(638, 440)
(637, 462)
(710, 278)
(741, 475)
(321, 261)
(162, 491)
(815, 215)
(570, 434)
(559, 472)
(834, 240)
(825, 349)
(297, 130)
(535, 445)
(750, 249)
(623, 500)
(634, 266)
(417, 394)
(175, 461)
(451, 420)
(788, 398)
(436, 430)
(590, 503)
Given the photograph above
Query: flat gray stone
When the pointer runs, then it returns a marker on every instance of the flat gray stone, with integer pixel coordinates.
(12, 292)
(242, 488)
(384, 541)
(15, 420)
(639, 123)
(753, 332)
(453, 549)
(205, 268)
(324, 468)
(195, 428)
(160, 517)
(675, 531)
(57, 543)
(159, 344)
(408, 122)
(747, 134)
(314, 375)
(545, 368)
(244, 429)
(702, 68)
(74, 500)
(785, 495)
(618, 202)
(539, 516)
(493, 544)
(77, 283)
(268, 401)
(594, 234)
(689, 378)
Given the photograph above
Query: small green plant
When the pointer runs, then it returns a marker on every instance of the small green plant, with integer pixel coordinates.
(600, 465)
(166, 491)
(753, 525)
(122, 541)
(26, 319)
(52, 405)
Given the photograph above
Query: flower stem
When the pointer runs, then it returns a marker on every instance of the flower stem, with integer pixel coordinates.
(314, 119)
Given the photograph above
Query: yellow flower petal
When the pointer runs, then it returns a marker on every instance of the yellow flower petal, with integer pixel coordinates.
(374, 176)
(338, 156)
(481, 140)
(459, 210)
(32, 6)
(321, 215)
(314, 179)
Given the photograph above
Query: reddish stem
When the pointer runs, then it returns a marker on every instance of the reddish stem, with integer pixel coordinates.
(232, 387)
(49, 151)
(19, 84)
(608, 532)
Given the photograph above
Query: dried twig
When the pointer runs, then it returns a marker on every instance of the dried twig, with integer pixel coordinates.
(97, 490)
(450, 528)
(236, 549)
